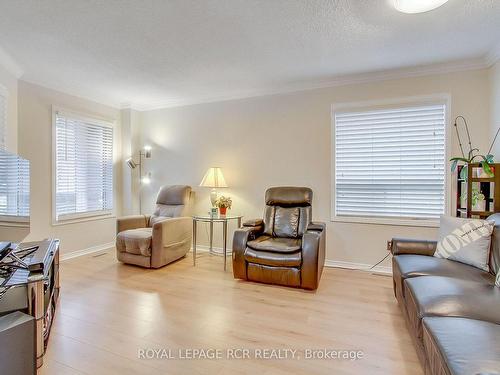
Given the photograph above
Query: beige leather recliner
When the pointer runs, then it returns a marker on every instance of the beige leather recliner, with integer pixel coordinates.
(156, 240)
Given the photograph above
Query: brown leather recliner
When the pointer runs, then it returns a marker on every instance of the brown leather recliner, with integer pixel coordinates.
(285, 248)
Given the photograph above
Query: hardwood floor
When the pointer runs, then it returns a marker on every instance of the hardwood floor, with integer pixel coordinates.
(108, 312)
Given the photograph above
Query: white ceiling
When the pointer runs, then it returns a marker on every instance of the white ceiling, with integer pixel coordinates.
(151, 53)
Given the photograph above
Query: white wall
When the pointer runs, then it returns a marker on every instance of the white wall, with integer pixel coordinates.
(9, 83)
(35, 144)
(495, 106)
(285, 140)
(126, 143)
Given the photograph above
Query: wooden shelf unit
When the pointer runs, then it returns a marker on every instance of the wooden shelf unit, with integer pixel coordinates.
(489, 186)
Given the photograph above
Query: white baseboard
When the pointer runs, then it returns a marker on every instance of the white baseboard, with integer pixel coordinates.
(89, 250)
(386, 270)
(204, 249)
(358, 266)
(216, 250)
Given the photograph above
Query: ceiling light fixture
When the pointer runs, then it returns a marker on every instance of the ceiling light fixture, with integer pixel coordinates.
(417, 6)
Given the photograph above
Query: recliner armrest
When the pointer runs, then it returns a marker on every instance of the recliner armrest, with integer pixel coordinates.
(316, 226)
(240, 238)
(313, 257)
(409, 246)
(255, 226)
(172, 230)
(131, 222)
(170, 235)
(253, 223)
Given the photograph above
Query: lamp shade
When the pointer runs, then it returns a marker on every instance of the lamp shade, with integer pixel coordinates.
(213, 178)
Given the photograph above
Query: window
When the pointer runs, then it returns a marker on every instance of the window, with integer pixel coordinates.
(83, 160)
(390, 163)
(14, 188)
(3, 117)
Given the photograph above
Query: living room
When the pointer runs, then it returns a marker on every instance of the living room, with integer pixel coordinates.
(242, 186)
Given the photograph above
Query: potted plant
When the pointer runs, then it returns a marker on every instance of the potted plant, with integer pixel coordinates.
(223, 203)
(478, 200)
(473, 155)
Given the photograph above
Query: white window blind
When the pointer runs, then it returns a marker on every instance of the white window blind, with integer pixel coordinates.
(14, 188)
(390, 163)
(83, 167)
(3, 119)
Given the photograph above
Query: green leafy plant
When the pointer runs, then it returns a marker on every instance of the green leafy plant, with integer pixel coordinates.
(485, 163)
(224, 202)
(477, 196)
(473, 156)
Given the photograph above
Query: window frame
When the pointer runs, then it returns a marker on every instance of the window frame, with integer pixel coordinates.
(435, 99)
(5, 93)
(82, 216)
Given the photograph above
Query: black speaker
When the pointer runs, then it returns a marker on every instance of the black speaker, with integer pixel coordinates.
(17, 344)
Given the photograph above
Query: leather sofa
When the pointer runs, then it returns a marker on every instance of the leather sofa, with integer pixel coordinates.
(286, 247)
(452, 310)
(153, 241)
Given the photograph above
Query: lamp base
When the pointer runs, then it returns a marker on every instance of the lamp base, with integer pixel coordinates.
(213, 197)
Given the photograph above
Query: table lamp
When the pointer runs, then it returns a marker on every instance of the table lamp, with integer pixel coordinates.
(213, 179)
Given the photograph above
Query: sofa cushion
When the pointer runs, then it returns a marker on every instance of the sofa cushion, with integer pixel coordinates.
(269, 220)
(465, 240)
(461, 346)
(286, 222)
(446, 296)
(135, 241)
(163, 212)
(174, 195)
(408, 265)
(138, 260)
(276, 244)
(273, 259)
(495, 244)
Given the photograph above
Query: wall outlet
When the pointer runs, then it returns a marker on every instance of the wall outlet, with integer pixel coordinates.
(389, 245)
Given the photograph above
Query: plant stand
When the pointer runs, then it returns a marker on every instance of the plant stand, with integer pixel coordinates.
(489, 186)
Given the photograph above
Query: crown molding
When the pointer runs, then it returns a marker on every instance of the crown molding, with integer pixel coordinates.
(80, 94)
(9, 64)
(343, 80)
(126, 105)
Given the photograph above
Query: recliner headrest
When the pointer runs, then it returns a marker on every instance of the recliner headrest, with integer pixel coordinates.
(289, 196)
(174, 195)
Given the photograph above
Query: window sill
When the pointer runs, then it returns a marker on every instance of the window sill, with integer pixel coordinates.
(74, 219)
(429, 223)
(14, 224)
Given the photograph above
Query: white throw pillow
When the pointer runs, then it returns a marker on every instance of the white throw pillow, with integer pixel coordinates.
(465, 240)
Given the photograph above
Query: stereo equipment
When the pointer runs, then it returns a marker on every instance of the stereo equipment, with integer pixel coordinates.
(17, 340)
(31, 285)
